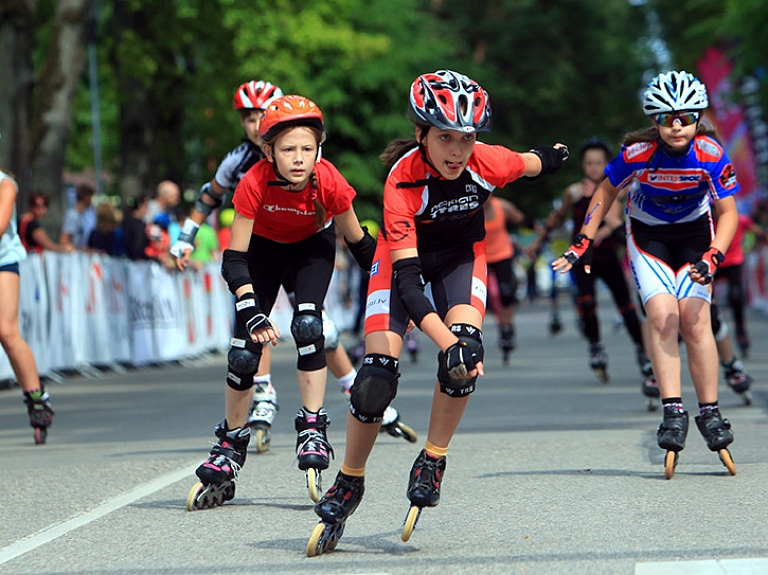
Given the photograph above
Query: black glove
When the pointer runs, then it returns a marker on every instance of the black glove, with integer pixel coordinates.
(364, 250)
(459, 360)
(551, 159)
(708, 264)
(248, 316)
(580, 250)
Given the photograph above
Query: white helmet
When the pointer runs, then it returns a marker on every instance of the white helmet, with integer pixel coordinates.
(674, 92)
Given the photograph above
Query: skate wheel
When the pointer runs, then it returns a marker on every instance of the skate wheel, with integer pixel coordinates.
(324, 538)
(747, 398)
(652, 404)
(314, 484)
(407, 432)
(41, 433)
(192, 498)
(262, 440)
(602, 375)
(670, 463)
(410, 522)
(725, 457)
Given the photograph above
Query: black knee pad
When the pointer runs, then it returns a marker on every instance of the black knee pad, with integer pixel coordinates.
(375, 387)
(735, 295)
(456, 387)
(586, 305)
(307, 332)
(508, 292)
(242, 363)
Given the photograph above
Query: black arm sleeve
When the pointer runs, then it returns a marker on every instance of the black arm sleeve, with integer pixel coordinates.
(234, 269)
(410, 286)
(364, 250)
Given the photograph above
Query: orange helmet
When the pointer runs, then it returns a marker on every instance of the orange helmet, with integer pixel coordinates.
(255, 95)
(289, 111)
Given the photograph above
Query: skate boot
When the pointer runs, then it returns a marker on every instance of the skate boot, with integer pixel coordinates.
(40, 413)
(392, 424)
(555, 326)
(651, 392)
(738, 380)
(262, 414)
(716, 431)
(218, 473)
(334, 508)
(671, 436)
(506, 341)
(598, 361)
(423, 489)
(312, 448)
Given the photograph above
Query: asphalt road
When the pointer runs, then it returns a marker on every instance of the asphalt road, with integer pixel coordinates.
(551, 472)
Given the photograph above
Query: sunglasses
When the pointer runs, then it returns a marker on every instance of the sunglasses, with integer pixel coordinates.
(685, 119)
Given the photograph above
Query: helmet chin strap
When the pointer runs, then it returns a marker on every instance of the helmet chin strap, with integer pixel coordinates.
(423, 150)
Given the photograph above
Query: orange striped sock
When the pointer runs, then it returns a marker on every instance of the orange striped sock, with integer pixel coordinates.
(353, 471)
(434, 451)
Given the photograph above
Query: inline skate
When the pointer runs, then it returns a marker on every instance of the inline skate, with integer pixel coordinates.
(650, 388)
(40, 413)
(671, 436)
(716, 431)
(262, 414)
(649, 385)
(334, 508)
(218, 473)
(598, 361)
(555, 325)
(506, 341)
(738, 380)
(423, 489)
(391, 424)
(312, 448)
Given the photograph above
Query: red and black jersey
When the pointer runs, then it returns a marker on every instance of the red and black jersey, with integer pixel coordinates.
(424, 211)
(285, 216)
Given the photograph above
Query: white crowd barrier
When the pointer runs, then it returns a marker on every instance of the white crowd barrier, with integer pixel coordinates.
(79, 309)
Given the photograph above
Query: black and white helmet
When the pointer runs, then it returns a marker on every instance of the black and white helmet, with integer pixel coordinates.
(674, 92)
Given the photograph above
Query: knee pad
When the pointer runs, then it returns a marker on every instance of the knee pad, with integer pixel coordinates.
(586, 305)
(508, 293)
(719, 328)
(307, 332)
(735, 295)
(242, 363)
(375, 387)
(330, 333)
(456, 387)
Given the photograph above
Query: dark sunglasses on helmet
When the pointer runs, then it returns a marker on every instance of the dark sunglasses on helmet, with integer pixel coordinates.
(685, 119)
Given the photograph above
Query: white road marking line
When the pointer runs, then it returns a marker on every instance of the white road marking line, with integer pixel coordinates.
(46, 536)
(757, 566)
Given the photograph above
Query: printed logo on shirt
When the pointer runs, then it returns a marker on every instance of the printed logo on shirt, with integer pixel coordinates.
(454, 205)
(378, 302)
(399, 231)
(272, 208)
(728, 177)
(637, 149)
(375, 267)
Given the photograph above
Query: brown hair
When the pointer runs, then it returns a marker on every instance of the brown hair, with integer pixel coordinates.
(36, 195)
(651, 134)
(396, 149)
(320, 213)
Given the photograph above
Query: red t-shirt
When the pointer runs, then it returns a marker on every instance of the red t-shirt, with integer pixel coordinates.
(289, 217)
(734, 255)
(422, 210)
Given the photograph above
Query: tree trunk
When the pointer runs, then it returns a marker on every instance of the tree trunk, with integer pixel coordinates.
(17, 19)
(58, 81)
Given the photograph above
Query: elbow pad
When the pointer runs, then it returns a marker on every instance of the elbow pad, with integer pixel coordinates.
(201, 206)
(234, 269)
(410, 286)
